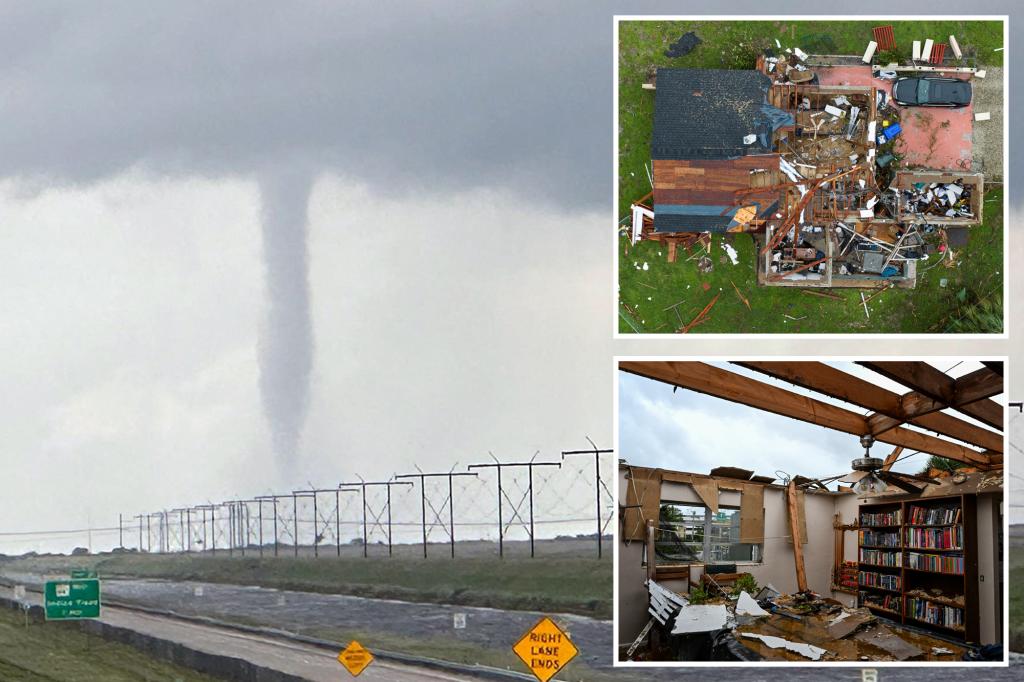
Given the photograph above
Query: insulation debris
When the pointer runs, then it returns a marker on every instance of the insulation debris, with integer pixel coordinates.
(806, 650)
(700, 618)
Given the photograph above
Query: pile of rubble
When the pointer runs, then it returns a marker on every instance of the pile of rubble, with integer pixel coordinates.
(952, 199)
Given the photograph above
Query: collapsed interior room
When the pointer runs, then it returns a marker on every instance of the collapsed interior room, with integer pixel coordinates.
(890, 566)
(814, 170)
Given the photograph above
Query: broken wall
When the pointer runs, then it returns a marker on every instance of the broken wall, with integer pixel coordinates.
(777, 568)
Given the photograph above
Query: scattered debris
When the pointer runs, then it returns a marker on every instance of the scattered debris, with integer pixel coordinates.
(746, 606)
(700, 618)
(701, 316)
(684, 46)
(806, 650)
(742, 297)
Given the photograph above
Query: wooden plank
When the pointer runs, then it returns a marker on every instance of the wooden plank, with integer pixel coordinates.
(890, 408)
(704, 378)
(935, 384)
(794, 529)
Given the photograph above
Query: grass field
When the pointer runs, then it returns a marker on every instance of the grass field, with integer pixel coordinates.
(572, 581)
(60, 651)
(930, 308)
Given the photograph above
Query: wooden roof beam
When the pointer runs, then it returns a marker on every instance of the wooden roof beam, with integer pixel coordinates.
(710, 380)
(970, 394)
(891, 409)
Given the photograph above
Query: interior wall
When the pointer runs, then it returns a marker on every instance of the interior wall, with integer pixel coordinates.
(988, 570)
(778, 567)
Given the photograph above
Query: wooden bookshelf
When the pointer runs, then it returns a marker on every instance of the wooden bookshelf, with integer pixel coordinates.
(952, 539)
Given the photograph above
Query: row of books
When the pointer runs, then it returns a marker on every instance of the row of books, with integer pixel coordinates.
(877, 539)
(937, 563)
(889, 602)
(936, 614)
(879, 557)
(883, 580)
(881, 519)
(951, 537)
(934, 516)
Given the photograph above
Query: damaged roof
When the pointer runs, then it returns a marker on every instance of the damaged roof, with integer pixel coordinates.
(706, 113)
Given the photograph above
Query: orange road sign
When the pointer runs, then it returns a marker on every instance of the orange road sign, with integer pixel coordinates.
(545, 649)
(355, 658)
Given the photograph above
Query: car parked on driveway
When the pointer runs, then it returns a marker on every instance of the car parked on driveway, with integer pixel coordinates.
(931, 91)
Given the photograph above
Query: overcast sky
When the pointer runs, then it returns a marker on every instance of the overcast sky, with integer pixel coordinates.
(394, 214)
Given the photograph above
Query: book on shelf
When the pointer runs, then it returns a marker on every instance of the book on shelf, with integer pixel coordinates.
(880, 557)
(879, 539)
(936, 563)
(950, 537)
(884, 580)
(934, 516)
(889, 602)
(890, 518)
(934, 613)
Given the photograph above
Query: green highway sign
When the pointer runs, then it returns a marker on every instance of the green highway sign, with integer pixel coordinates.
(82, 574)
(74, 599)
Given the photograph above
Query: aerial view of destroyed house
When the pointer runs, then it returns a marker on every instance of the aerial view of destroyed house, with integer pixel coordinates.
(898, 512)
(810, 176)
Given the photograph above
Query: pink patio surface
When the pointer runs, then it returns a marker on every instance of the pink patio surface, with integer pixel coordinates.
(932, 137)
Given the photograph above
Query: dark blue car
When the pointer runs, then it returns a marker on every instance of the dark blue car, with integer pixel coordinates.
(931, 91)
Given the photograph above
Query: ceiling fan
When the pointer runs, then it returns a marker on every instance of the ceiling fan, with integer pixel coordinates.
(869, 478)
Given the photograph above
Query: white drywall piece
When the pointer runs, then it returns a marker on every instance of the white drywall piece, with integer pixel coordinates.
(806, 650)
(700, 618)
(746, 606)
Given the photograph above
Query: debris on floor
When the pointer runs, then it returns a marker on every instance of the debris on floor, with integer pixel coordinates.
(806, 650)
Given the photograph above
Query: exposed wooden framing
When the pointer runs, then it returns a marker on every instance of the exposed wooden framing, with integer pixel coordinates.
(704, 378)
(794, 529)
(994, 365)
(891, 459)
(890, 409)
(968, 394)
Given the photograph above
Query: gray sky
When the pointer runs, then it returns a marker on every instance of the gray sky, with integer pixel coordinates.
(458, 252)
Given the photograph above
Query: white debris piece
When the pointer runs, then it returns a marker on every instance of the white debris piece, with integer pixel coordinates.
(983, 116)
(800, 53)
(639, 212)
(862, 183)
(956, 47)
(941, 650)
(840, 618)
(917, 50)
(700, 618)
(664, 602)
(926, 51)
(871, 130)
(869, 52)
(746, 606)
(871, 202)
(841, 101)
(731, 252)
(806, 650)
(834, 111)
(980, 73)
(864, 213)
(778, 45)
(645, 266)
(749, 139)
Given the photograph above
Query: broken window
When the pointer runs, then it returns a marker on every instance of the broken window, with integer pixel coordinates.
(693, 534)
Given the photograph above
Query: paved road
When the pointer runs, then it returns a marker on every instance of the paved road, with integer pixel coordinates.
(306, 661)
(301, 611)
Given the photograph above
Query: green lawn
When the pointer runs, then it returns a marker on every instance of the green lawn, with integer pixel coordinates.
(572, 584)
(60, 651)
(930, 307)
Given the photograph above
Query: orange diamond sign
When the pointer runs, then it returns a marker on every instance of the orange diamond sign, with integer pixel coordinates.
(545, 649)
(355, 658)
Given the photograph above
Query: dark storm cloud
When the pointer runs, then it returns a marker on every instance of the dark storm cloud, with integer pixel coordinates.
(403, 95)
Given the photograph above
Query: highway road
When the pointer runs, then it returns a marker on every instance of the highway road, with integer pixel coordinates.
(298, 611)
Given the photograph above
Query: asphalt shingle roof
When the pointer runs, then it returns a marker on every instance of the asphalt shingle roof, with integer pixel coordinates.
(706, 113)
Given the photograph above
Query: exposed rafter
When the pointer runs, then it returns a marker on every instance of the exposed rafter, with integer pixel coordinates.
(890, 409)
(710, 380)
(969, 394)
